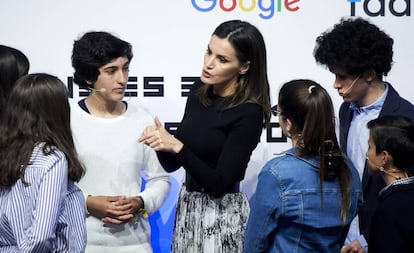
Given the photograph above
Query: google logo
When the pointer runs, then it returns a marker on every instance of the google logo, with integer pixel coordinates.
(267, 8)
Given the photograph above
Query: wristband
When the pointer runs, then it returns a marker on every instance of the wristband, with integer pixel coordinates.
(141, 212)
(142, 200)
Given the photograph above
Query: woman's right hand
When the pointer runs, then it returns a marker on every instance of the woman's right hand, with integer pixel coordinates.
(159, 139)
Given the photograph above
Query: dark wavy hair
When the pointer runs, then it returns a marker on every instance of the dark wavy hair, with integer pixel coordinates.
(395, 134)
(355, 45)
(92, 51)
(253, 87)
(37, 112)
(13, 64)
(309, 107)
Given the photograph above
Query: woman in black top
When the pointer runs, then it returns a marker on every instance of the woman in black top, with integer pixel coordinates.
(223, 120)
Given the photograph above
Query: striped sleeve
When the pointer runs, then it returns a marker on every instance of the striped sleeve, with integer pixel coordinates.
(49, 191)
(75, 214)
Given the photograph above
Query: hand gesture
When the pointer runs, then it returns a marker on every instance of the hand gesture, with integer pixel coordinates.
(159, 139)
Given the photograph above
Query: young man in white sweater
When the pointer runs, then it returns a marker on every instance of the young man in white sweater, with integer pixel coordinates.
(105, 130)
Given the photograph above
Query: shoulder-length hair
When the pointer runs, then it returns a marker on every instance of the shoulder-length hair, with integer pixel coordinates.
(252, 87)
(37, 112)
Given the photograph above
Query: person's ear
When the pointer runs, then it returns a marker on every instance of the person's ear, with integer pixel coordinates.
(386, 158)
(288, 125)
(370, 75)
(244, 68)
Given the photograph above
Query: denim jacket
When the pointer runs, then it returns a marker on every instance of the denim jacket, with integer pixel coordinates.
(289, 214)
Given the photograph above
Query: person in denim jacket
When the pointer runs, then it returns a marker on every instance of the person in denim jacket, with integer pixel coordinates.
(307, 196)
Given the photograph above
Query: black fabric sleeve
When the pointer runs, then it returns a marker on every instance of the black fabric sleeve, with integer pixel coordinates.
(235, 154)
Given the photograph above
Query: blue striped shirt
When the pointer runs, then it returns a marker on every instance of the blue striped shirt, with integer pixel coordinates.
(46, 216)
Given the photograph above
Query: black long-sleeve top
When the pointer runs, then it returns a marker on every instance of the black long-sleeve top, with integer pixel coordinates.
(392, 226)
(217, 143)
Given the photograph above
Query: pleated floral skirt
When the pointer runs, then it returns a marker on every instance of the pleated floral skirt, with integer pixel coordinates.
(204, 224)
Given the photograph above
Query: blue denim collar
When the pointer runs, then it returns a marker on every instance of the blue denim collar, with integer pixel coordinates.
(311, 160)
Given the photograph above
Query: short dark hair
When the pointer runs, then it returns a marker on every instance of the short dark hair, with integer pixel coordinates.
(355, 45)
(394, 134)
(92, 51)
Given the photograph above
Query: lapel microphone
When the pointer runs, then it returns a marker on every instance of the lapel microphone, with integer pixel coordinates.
(347, 91)
(99, 90)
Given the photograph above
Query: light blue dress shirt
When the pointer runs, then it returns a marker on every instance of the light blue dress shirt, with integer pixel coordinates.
(48, 215)
(357, 148)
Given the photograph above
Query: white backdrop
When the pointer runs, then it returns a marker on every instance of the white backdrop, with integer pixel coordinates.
(169, 39)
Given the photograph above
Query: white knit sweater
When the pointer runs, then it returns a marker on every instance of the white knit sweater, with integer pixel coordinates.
(115, 162)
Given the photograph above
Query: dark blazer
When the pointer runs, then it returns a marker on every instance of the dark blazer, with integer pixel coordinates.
(392, 228)
(372, 183)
